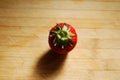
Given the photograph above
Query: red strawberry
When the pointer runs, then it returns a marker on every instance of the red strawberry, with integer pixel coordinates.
(62, 38)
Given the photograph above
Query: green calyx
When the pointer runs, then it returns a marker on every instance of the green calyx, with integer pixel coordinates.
(62, 36)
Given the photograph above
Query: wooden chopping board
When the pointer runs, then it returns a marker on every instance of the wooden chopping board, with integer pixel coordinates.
(24, 50)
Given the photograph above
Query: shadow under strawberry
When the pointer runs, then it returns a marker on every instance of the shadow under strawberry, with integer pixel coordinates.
(50, 64)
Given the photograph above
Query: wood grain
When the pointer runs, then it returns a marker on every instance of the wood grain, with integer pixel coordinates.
(26, 55)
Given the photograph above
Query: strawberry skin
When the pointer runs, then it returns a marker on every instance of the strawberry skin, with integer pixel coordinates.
(62, 38)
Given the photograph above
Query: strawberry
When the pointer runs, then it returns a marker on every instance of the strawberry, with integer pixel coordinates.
(62, 38)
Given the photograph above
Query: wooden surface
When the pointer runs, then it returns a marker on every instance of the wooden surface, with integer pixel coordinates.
(24, 50)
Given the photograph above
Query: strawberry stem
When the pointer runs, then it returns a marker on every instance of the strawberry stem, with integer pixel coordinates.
(62, 36)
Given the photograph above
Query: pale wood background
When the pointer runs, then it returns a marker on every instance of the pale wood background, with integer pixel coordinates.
(24, 50)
